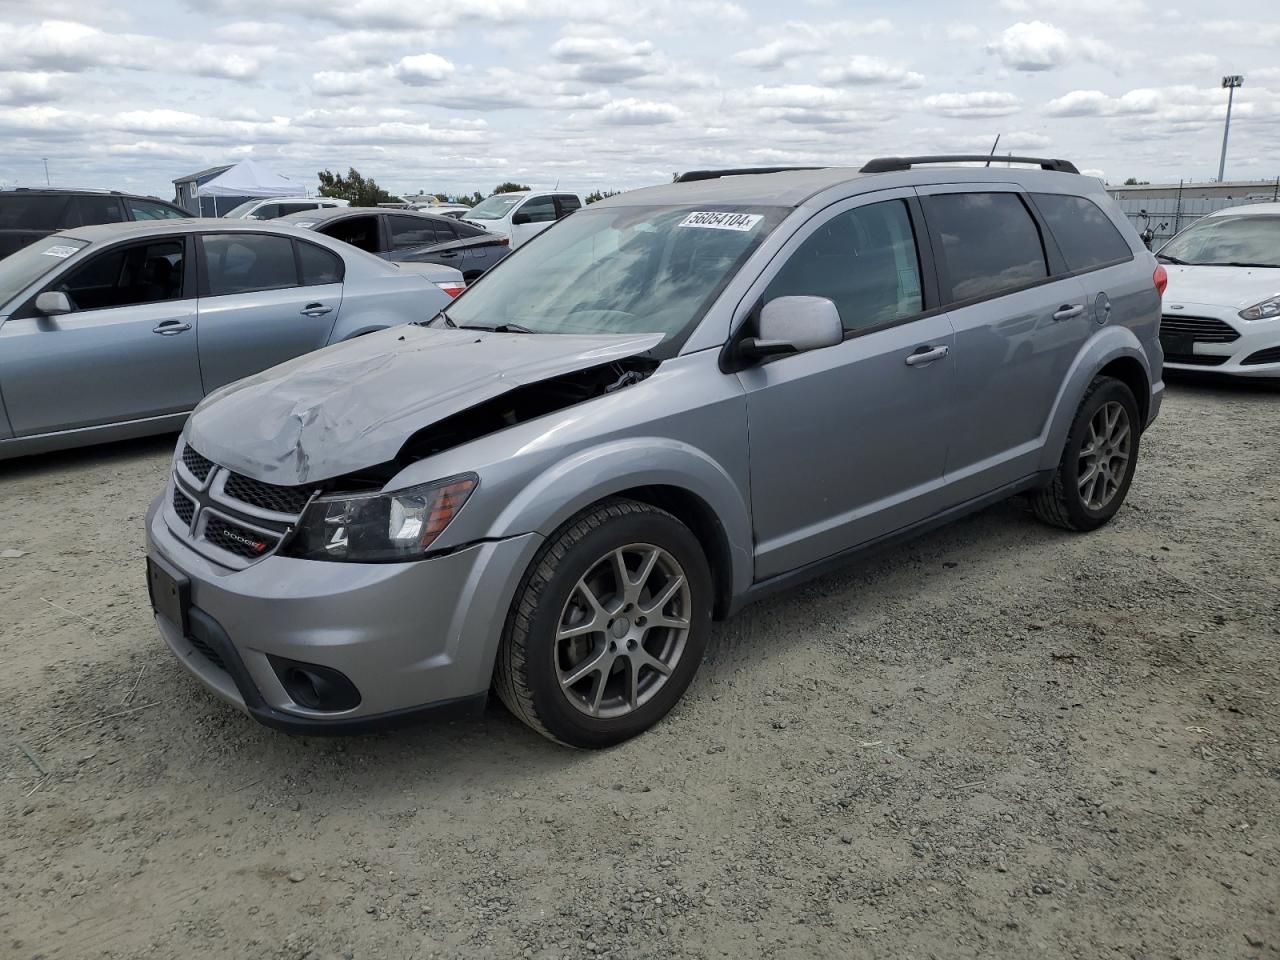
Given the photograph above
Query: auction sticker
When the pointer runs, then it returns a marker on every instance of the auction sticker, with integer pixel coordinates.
(60, 250)
(713, 220)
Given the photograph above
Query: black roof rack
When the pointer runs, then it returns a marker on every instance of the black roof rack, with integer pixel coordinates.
(890, 164)
(693, 175)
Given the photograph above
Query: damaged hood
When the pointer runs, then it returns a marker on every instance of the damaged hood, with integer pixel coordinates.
(353, 405)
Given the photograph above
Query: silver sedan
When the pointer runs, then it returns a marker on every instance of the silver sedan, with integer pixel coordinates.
(119, 330)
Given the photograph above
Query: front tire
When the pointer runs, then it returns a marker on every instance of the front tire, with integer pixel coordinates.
(608, 627)
(1098, 462)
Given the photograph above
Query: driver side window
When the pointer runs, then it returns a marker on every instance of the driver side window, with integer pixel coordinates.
(123, 277)
(863, 260)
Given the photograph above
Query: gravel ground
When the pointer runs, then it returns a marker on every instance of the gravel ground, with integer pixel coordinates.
(999, 741)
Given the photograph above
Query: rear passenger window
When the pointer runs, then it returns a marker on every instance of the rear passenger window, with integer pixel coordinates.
(566, 203)
(410, 232)
(318, 265)
(990, 244)
(864, 261)
(1085, 234)
(246, 262)
(30, 212)
(98, 210)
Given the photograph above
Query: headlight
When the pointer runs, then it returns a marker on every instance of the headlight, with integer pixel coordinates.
(1262, 311)
(379, 527)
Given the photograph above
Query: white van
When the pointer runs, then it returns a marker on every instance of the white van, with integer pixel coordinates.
(522, 215)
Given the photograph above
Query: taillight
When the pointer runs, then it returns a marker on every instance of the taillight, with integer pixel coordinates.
(1160, 279)
(452, 287)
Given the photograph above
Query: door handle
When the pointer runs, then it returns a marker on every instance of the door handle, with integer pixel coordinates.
(316, 310)
(1068, 311)
(169, 327)
(925, 355)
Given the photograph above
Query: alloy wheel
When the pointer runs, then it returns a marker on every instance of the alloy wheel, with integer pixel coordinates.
(623, 630)
(1104, 458)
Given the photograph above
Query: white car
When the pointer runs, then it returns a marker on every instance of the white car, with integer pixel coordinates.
(268, 208)
(522, 216)
(454, 210)
(1222, 306)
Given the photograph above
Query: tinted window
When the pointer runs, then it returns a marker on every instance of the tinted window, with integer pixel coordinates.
(568, 203)
(146, 273)
(360, 232)
(146, 210)
(288, 208)
(540, 210)
(863, 260)
(245, 262)
(410, 232)
(465, 229)
(97, 210)
(318, 265)
(990, 244)
(268, 211)
(1084, 233)
(25, 212)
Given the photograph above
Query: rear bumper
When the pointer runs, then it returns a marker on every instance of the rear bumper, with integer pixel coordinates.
(413, 638)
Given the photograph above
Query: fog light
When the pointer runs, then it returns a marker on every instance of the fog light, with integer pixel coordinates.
(313, 686)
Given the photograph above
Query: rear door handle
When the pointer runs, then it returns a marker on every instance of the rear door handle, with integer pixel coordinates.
(925, 355)
(1068, 311)
(169, 327)
(316, 310)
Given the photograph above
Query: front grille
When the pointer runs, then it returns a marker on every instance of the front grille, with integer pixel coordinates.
(236, 539)
(1199, 329)
(198, 465)
(1269, 355)
(183, 506)
(206, 651)
(1195, 359)
(266, 496)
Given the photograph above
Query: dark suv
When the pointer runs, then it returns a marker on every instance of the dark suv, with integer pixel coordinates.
(27, 215)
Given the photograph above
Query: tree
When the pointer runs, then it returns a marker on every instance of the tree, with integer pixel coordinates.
(353, 188)
(596, 195)
(509, 187)
(475, 198)
(1135, 182)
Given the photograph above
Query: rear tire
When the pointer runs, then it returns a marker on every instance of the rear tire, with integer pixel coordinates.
(608, 626)
(1098, 461)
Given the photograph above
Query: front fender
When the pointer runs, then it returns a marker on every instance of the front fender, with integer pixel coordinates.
(1106, 345)
(590, 475)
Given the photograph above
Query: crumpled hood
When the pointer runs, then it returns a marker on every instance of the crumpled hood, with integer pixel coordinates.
(1234, 287)
(353, 405)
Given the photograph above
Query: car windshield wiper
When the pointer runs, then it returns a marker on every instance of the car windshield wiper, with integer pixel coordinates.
(500, 328)
(1168, 259)
(439, 316)
(1237, 263)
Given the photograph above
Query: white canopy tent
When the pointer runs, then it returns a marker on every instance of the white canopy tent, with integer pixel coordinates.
(249, 179)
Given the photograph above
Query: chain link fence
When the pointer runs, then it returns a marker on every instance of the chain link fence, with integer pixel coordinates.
(1169, 215)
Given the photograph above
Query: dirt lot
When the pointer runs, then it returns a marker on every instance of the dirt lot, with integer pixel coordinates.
(999, 741)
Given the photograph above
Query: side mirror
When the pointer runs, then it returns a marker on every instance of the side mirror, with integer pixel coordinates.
(794, 325)
(53, 303)
(520, 217)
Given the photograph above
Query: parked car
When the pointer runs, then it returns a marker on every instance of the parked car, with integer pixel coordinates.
(522, 216)
(1222, 309)
(675, 402)
(118, 330)
(29, 214)
(271, 208)
(406, 236)
(451, 210)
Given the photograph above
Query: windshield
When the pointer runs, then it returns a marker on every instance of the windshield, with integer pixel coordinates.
(1231, 241)
(18, 270)
(495, 208)
(241, 211)
(628, 270)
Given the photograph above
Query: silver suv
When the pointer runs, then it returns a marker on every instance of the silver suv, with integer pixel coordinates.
(671, 403)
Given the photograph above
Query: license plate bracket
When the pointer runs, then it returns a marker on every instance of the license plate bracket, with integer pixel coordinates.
(1175, 344)
(170, 593)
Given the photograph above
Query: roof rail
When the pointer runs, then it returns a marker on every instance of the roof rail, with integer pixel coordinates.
(890, 164)
(693, 175)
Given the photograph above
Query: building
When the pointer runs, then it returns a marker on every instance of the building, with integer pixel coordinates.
(1257, 190)
(184, 193)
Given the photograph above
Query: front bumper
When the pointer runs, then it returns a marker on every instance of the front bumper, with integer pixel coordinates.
(1238, 357)
(412, 637)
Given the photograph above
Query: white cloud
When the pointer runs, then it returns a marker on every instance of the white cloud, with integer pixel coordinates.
(867, 70)
(986, 103)
(605, 59)
(631, 111)
(422, 68)
(24, 87)
(797, 38)
(1032, 46)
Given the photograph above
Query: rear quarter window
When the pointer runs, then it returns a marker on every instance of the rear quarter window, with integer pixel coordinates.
(1086, 236)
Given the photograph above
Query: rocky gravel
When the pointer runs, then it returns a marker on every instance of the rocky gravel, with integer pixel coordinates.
(1001, 740)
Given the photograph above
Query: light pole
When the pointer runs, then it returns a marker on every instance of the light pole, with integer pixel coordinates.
(1231, 82)
(46, 170)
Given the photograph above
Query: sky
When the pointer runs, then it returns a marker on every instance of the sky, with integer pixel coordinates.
(611, 94)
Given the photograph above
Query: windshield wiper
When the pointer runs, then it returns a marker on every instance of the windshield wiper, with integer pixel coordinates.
(1236, 263)
(439, 316)
(500, 328)
(1168, 259)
